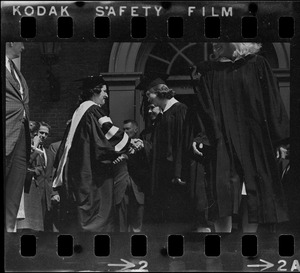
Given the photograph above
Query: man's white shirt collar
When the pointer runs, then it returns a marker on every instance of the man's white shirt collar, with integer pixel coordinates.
(45, 155)
(7, 63)
(170, 103)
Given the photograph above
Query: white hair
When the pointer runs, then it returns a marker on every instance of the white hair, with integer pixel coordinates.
(241, 50)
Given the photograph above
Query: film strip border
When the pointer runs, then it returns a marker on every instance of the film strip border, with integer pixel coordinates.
(175, 246)
(175, 27)
(151, 21)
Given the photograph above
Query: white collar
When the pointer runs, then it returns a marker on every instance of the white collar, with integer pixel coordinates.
(225, 59)
(169, 104)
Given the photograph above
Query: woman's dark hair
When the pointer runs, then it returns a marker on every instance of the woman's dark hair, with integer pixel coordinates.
(86, 94)
(162, 91)
(45, 124)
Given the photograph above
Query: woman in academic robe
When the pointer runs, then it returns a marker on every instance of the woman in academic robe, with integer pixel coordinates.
(169, 198)
(243, 120)
(89, 148)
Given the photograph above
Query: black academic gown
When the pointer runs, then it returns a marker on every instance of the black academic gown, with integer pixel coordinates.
(147, 137)
(243, 117)
(168, 142)
(89, 172)
(197, 169)
(167, 158)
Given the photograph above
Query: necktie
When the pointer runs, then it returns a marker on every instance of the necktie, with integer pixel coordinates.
(43, 155)
(13, 73)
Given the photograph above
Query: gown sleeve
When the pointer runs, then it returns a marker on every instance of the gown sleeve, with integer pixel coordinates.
(277, 118)
(204, 117)
(178, 147)
(108, 140)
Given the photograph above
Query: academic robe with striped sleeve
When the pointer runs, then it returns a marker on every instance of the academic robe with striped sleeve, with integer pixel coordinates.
(96, 143)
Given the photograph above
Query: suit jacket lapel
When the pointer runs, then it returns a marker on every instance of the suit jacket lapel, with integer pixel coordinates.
(13, 83)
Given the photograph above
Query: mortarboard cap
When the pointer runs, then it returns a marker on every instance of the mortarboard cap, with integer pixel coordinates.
(91, 82)
(151, 79)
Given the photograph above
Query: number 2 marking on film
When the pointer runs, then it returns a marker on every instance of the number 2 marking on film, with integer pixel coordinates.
(144, 265)
(280, 268)
(127, 266)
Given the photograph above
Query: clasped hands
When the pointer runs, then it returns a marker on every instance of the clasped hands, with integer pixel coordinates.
(136, 144)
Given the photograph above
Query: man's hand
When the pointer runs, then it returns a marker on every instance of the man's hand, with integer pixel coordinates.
(36, 150)
(282, 152)
(178, 181)
(36, 141)
(196, 150)
(55, 199)
(38, 170)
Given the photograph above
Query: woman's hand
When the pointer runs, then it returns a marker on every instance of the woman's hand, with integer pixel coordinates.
(177, 180)
(120, 158)
(196, 150)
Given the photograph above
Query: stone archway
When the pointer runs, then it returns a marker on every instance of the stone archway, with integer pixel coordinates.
(123, 57)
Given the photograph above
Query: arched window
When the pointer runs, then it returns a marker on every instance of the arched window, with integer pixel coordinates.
(176, 58)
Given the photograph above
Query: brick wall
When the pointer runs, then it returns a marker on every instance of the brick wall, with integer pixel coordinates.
(76, 60)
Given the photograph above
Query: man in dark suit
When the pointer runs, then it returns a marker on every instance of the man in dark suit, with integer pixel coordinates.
(129, 177)
(52, 215)
(17, 134)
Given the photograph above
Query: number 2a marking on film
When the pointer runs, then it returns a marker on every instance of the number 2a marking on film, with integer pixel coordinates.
(295, 266)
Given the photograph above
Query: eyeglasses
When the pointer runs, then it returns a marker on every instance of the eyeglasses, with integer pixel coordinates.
(44, 133)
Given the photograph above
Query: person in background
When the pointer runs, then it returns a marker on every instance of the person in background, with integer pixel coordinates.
(37, 195)
(90, 145)
(152, 113)
(34, 127)
(54, 218)
(17, 138)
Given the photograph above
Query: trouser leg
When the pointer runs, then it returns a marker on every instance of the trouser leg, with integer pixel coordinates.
(136, 214)
(16, 167)
(247, 227)
(122, 215)
(223, 224)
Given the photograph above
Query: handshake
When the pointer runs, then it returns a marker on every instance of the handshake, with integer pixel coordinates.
(136, 144)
